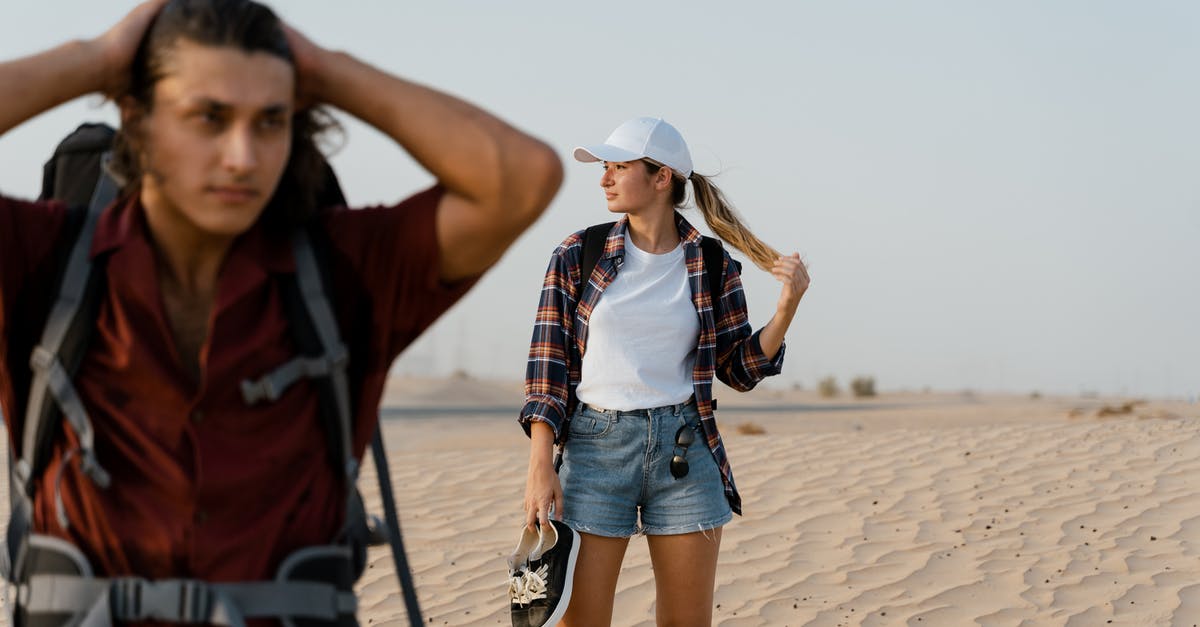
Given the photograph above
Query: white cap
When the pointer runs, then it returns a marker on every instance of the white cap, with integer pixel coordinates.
(642, 138)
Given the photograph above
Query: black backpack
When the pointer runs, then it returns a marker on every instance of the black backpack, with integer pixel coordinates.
(314, 586)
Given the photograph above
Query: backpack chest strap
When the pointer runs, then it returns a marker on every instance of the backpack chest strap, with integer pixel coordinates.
(102, 602)
(272, 386)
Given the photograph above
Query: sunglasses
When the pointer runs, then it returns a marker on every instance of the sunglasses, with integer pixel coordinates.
(683, 439)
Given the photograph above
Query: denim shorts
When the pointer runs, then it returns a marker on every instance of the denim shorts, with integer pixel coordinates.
(617, 465)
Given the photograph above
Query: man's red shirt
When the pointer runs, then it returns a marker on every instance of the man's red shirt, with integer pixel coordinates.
(202, 485)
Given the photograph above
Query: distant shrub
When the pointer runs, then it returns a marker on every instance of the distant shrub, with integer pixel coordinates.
(750, 428)
(828, 387)
(863, 387)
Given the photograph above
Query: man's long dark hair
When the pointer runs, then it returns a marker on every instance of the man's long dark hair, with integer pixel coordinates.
(249, 27)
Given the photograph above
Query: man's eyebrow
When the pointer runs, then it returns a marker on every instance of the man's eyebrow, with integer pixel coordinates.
(225, 107)
(210, 103)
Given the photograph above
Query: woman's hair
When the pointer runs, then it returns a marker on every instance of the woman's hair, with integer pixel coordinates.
(719, 214)
(249, 27)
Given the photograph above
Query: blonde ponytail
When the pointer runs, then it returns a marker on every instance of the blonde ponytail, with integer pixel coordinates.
(719, 215)
(724, 222)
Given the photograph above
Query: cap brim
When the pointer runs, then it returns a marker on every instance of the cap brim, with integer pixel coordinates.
(604, 152)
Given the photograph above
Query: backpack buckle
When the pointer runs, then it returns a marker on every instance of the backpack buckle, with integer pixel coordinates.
(133, 599)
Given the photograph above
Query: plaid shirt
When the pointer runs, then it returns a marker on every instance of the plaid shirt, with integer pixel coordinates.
(726, 348)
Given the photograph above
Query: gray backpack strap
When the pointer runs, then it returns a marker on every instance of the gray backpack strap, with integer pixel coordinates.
(308, 275)
(392, 519)
(105, 602)
(331, 363)
(51, 378)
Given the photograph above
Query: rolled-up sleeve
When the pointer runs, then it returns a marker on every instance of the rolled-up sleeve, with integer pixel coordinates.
(741, 363)
(548, 370)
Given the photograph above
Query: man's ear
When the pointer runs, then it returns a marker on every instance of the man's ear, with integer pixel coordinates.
(131, 112)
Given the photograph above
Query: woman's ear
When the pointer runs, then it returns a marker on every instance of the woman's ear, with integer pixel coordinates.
(662, 178)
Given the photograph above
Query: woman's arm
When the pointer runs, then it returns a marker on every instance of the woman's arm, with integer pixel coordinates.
(43, 81)
(498, 180)
(744, 357)
(542, 487)
(793, 274)
(547, 380)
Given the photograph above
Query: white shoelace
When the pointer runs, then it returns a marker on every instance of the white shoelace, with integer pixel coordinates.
(524, 587)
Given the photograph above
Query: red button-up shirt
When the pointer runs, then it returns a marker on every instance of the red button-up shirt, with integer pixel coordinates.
(202, 485)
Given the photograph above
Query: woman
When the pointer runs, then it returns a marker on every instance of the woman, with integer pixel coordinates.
(621, 370)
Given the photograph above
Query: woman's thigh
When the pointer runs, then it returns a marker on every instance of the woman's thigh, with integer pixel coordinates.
(595, 584)
(685, 572)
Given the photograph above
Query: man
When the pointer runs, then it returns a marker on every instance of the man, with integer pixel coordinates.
(217, 149)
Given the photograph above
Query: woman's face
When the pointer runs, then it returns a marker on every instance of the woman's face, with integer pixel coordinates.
(217, 139)
(630, 188)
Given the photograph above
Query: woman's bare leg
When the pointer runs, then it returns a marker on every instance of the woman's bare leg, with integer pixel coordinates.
(595, 585)
(685, 572)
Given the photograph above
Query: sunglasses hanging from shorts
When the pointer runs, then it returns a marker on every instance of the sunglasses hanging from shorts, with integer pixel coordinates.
(683, 439)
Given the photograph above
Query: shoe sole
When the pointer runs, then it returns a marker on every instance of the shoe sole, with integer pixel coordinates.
(565, 599)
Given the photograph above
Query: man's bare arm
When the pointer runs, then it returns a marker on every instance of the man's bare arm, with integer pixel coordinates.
(498, 179)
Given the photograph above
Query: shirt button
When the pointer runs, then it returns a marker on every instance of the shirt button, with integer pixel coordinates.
(197, 416)
(201, 517)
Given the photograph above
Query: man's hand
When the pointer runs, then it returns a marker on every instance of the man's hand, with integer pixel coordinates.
(308, 58)
(117, 47)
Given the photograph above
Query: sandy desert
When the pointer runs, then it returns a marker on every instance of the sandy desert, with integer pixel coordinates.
(914, 509)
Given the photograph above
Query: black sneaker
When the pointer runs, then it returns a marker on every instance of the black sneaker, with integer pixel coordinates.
(539, 583)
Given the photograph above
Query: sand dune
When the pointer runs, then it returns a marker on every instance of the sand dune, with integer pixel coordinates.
(1042, 521)
(912, 510)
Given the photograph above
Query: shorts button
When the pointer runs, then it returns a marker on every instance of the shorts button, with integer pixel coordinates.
(197, 416)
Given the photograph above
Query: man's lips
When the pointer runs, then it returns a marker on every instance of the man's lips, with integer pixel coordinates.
(234, 194)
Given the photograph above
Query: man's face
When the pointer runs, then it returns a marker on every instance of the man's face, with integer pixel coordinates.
(217, 138)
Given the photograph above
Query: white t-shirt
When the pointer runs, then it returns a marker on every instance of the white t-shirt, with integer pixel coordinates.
(642, 335)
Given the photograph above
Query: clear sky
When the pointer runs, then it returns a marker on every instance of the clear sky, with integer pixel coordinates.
(995, 195)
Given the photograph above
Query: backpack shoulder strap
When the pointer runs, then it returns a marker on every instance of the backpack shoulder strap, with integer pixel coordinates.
(594, 239)
(58, 354)
(325, 358)
(321, 356)
(714, 268)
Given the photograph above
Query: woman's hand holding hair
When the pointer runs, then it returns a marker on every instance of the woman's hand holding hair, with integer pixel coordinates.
(791, 271)
(543, 490)
(793, 274)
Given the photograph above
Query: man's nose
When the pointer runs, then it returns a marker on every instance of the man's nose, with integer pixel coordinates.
(240, 153)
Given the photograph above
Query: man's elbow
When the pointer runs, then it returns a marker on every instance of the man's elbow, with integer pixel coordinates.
(538, 175)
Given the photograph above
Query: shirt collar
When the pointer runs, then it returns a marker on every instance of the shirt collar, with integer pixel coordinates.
(124, 222)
